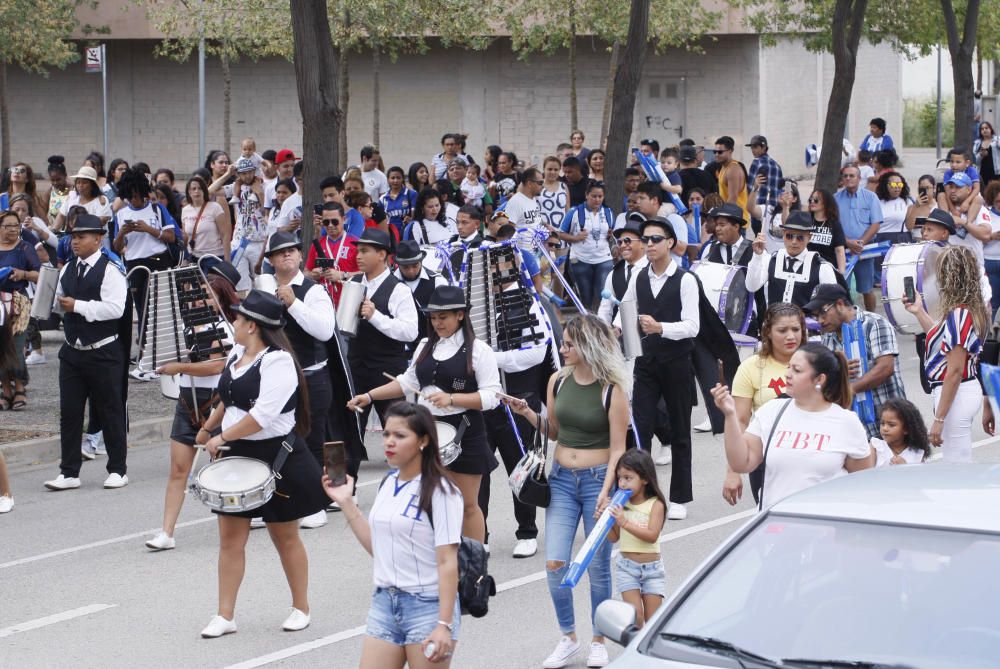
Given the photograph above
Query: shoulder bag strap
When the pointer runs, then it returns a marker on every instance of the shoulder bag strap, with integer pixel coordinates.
(197, 220)
(319, 249)
(767, 446)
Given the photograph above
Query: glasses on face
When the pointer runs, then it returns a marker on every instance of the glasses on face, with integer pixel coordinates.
(814, 200)
(19, 169)
(553, 247)
(824, 310)
(719, 151)
(895, 184)
(653, 239)
(795, 236)
(332, 221)
(625, 242)
(538, 182)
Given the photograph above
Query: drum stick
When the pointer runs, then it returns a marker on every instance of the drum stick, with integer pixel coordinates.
(405, 387)
(220, 448)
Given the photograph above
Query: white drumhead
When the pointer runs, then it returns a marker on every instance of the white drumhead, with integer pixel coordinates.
(446, 433)
(233, 474)
(432, 259)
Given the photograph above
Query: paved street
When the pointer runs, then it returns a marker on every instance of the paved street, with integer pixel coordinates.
(80, 589)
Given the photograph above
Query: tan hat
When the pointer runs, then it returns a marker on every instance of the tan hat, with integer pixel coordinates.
(86, 173)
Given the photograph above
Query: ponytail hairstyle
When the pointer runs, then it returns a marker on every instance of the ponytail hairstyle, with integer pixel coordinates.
(275, 338)
(837, 389)
(775, 311)
(433, 475)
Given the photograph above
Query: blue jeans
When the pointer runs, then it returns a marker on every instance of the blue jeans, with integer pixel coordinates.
(590, 280)
(574, 496)
(405, 618)
(993, 274)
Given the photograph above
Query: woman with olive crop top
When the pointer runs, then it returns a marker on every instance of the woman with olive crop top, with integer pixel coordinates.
(589, 422)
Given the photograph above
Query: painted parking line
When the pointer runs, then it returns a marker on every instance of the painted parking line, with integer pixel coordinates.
(53, 619)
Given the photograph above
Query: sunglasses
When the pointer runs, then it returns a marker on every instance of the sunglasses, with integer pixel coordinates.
(655, 239)
(895, 184)
(797, 236)
(718, 151)
(814, 200)
(19, 169)
(625, 242)
(332, 221)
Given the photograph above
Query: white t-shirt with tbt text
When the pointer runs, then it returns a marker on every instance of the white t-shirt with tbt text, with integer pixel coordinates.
(403, 542)
(808, 447)
(526, 215)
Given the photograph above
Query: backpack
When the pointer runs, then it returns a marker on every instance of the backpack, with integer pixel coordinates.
(475, 585)
(177, 248)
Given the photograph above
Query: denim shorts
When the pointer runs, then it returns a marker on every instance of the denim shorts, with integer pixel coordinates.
(404, 618)
(648, 578)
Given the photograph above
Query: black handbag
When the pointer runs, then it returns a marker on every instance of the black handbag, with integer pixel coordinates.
(527, 480)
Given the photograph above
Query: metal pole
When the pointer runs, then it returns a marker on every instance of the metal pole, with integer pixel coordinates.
(939, 102)
(201, 100)
(104, 95)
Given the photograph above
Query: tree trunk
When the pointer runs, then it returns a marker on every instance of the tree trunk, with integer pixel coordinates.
(962, 49)
(345, 99)
(376, 109)
(227, 98)
(848, 19)
(609, 95)
(574, 119)
(4, 116)
(627, 76)
(316, 81)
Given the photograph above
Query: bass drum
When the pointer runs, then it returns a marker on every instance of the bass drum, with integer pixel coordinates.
(726, 288)
(919, 262)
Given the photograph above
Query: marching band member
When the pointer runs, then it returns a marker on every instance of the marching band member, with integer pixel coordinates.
(388, 326)
(668, 302)
(728, 246)
(92, 295)
(198, 381)
(791, 274)
(420, 280)
(263, 406)
(458, 379)
(632, 259)
(469, 222)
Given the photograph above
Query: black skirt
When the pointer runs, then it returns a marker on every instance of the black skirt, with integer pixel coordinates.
(476, 456)
(298, 493)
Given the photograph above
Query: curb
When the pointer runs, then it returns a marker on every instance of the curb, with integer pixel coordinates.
(47, 449)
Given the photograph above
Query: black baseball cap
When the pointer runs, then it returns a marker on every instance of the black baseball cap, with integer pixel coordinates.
(824, 294)
(758, 140)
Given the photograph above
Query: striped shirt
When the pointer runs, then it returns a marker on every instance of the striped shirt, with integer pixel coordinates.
(957, 329)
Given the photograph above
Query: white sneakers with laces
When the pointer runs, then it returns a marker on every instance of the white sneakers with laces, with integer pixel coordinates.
(662, 455)
(598, 656)
(161, 542)
(314, 521)
(565, 651)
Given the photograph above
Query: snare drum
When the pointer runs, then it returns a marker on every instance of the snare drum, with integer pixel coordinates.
(448, 444)
(234, 484)
(726, 288)
(919, 261)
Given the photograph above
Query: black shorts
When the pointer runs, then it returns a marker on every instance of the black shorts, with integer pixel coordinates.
(182, 430)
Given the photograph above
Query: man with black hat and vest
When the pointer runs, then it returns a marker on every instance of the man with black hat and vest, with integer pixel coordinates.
(91, 294)
(729, 246)
(469, 221)
(669, 320)
(791, 274)
(309, 323)
(420, 280)
(632, 258)
(387, 327)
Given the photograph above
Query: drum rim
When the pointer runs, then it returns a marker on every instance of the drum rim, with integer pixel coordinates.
(233, 460)
(920, 263)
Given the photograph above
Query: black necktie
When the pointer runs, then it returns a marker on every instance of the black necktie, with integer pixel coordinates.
(628, 273)
(790, 264)
(729, 254)
(81, 270)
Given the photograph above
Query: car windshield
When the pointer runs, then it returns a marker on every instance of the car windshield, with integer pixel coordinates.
(828, 589)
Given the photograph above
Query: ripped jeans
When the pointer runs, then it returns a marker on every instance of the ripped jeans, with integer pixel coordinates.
(574, 495)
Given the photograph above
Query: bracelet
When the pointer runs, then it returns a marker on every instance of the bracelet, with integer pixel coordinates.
(451, 400)
(371, 400)
(448, 626)
(224, 440)
(938, 420)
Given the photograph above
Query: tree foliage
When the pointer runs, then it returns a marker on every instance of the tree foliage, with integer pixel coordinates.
(36, 33)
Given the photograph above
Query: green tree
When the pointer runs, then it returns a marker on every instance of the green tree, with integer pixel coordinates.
(36, 37)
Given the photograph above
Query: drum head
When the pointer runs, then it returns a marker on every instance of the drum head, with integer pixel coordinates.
(233, 474)
(735, 311)
(446, 433)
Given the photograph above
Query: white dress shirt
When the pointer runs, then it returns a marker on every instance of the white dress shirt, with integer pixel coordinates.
(439, 280)
(607, 306)
(484, 363)
(113, 290)
(401, 321)
(315, 314)
(278, 377)
(690, 322)
(757, 276)
(524, 358)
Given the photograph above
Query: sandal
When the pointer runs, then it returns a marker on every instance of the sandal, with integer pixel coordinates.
(6, 401)
(18, 404)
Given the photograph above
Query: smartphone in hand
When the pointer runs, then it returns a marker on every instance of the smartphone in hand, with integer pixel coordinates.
(909, 289)
(335, 461)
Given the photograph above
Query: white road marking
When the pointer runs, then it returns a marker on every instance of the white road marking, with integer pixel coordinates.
(344, 635)
(53, 619)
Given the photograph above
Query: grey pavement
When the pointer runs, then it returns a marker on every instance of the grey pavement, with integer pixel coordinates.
(80, 589)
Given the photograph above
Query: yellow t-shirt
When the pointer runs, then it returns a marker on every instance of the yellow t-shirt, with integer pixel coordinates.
(638, 515)
(760, 380)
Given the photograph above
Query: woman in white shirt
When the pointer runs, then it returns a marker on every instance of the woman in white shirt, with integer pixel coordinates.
(810, 438)
(207, 228)
(457, 379)
(430, 224)
(263, 406)
(587, 228)
(554, 198)
(87, 194)
(894, 195)
(413, 533)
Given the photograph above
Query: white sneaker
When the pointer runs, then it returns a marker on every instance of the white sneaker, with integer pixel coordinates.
(677, 511)
(296, 621)
(63, 483)
(525, 548)
(564, 652)
(598, 656)
(662, 455)
(116, 481)
(161, 542)
(217, 627)
(257, 523)
(334, 506)
(88, 446)
(703, 426)
(140, 375)
(35, 358)
(486, 547)
(314, 521)
(6, 503)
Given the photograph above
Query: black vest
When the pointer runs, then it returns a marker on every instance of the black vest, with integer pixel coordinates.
(370, 347)
(243, 392)
(743, 253)
(309, 350)
(450, 375)
(76, 327)
(422, 295)
(619, 284)
(665, 308)
(802, 292)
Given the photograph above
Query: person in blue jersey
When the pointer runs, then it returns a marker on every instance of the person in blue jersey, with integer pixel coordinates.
(399, 201)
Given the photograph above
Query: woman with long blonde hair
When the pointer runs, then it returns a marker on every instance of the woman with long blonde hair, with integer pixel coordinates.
(954, 340)
(588, 418)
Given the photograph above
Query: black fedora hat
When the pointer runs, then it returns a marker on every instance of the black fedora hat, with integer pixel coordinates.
(942, 218)
(446, 298)
(408, 252)
(630, 226)
(280, 241)
(226, 271)
(731, 211)
(799, 220)
(262, 308)
(375, 237)
(88, 223)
